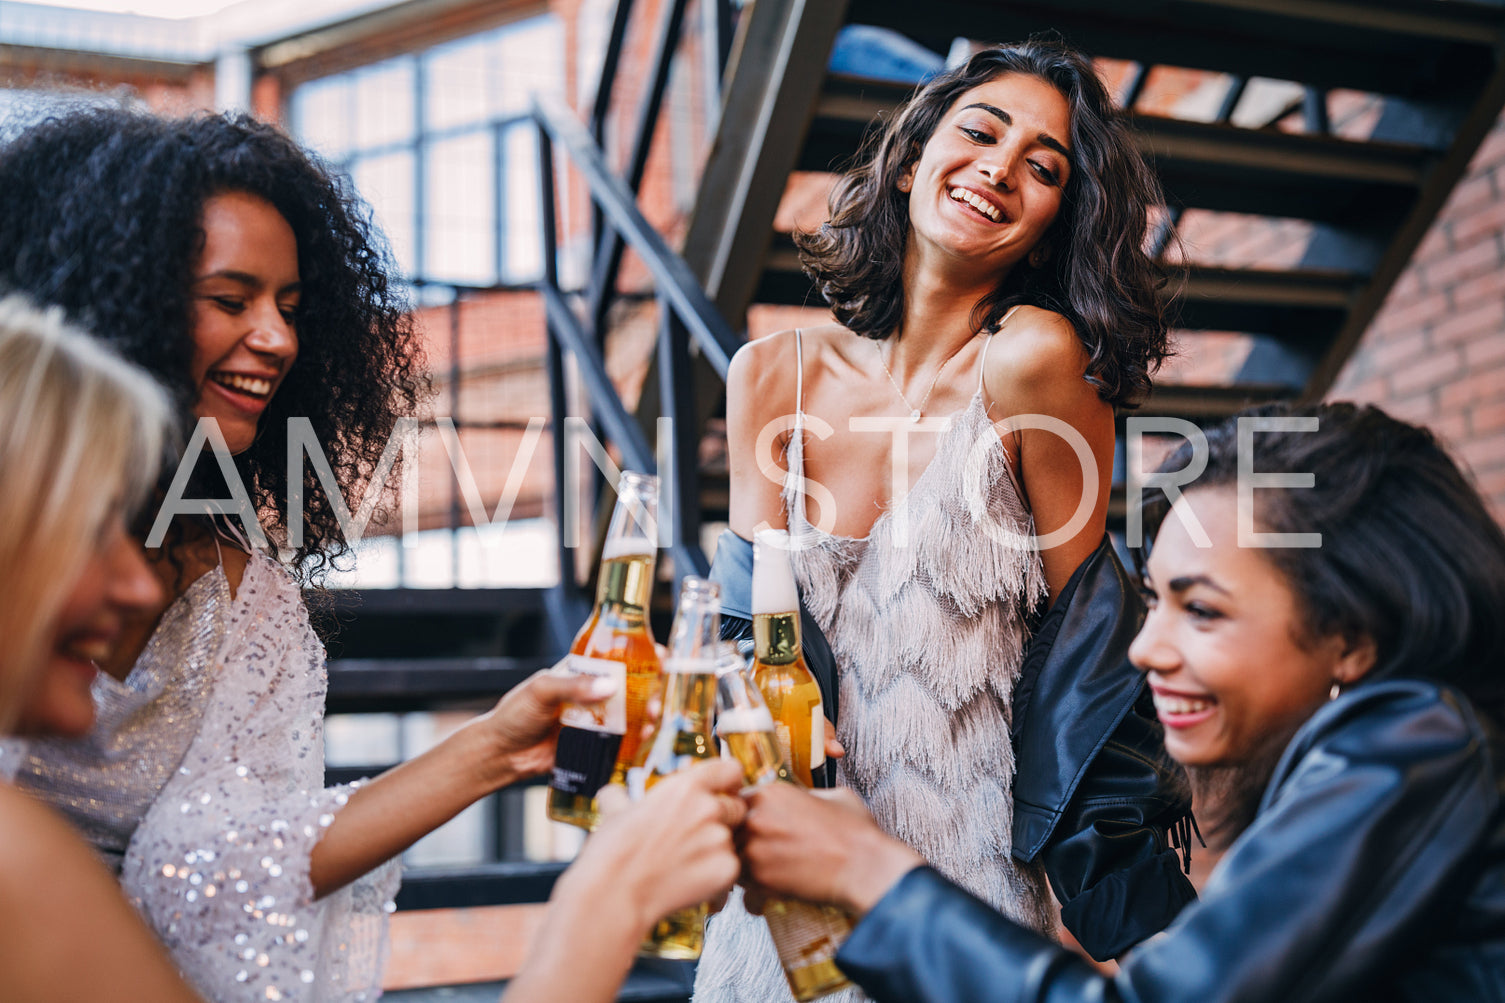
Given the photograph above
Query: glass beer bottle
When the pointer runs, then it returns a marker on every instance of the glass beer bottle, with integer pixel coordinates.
(595, 746)
(788, 688)
(684, 736)
(806, 936)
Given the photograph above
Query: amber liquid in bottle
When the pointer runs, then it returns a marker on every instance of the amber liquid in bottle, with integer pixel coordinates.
(791, 693)
(684, 736)
(806, 936)
(590, 756)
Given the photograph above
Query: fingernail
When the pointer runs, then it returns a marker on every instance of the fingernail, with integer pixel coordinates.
(602, 686)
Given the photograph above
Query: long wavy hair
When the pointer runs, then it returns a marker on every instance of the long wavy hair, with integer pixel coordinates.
(1410, 557)
(81, 438)
(101, 213)
(1099, 275)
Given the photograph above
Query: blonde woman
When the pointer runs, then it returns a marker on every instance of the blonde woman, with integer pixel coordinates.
(80, 438)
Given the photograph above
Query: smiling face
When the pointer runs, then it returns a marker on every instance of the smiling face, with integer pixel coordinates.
(989, 182)
(244, 299)
(115, 585)
(1223, 642)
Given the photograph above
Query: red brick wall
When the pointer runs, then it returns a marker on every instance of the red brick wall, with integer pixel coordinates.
(1435, 353)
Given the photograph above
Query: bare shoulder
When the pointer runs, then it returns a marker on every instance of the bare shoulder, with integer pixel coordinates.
(37, 843)
(761, 380)
(1037, 358)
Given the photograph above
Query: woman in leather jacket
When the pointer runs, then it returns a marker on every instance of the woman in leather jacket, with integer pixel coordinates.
(1335, 699)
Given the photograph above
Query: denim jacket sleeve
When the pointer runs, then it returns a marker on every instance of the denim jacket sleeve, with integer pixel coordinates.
(732, 570)
(1095, 796)
(1372, 832)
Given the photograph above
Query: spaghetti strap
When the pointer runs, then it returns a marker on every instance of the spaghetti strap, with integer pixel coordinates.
(982, 363)
(799, 378)
(795, 455)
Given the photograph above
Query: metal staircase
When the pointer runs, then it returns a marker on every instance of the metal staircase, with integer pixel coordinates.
(1434, 64)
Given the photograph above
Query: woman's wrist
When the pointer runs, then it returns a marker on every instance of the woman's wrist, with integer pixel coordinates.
(876, 862)
(490, 764)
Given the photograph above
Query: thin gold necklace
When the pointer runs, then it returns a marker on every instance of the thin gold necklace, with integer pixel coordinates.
(915, 413)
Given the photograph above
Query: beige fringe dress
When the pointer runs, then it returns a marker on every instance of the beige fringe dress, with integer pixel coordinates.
(925, 616)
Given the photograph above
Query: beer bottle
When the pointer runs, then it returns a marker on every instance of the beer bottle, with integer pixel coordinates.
(596, 747)
(806, 936)
(788, 688)
(684, 736)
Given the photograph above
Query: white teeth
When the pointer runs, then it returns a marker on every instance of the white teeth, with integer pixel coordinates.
(87, 651)
(977, 202)
(247, 384)
(1180, 705)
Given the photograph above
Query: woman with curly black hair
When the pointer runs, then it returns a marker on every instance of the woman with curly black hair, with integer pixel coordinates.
(221, 257)
(994, 303)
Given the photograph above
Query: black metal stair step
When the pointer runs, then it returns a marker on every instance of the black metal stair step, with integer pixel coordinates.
(511, 882)
(374, 685)
(652, 980)
(1303, 307)
(1420, 49)
(1207, 404)
(409, 623)
(1360, 185)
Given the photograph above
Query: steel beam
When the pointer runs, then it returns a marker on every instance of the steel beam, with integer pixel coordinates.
(774, 80)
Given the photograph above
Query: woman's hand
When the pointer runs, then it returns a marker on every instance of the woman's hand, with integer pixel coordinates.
(674, 847)
(522, 729)
(834, 748)
(512, 741)
(820, 847)
(669, 850)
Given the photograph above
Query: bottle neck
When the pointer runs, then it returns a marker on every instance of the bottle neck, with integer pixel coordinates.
(625, 585)
(776, 637)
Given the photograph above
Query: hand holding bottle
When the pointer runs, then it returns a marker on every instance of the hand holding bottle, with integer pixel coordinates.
(522, 729)
(821, 847)
(674, 847)
(670, 850)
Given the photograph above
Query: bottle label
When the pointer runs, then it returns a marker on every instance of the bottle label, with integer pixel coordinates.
(689, 666)
(786, 751)
(592, 734)
(817, 737)
(609, 716)
(805, 934)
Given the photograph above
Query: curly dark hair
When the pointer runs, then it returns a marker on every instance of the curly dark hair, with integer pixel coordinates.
(100, 213)
(1099, 275)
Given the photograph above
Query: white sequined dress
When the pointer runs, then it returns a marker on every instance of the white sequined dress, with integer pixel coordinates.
(202, 784)
(925, 616)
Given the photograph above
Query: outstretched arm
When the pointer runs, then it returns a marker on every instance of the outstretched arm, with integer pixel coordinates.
(670, 850)
(1372, 834)
(511, 742)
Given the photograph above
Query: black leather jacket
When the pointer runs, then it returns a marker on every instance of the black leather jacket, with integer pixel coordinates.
(1375, 870)
(1094, 795)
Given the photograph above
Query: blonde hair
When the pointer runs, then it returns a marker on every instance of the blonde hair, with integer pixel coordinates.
(81, 438)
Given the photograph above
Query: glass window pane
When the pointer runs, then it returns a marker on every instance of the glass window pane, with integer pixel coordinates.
(321, 116)
(387, 183)
(460, 211)
(529, 57)
(522, 259)
(384, 111)
(456, 81)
